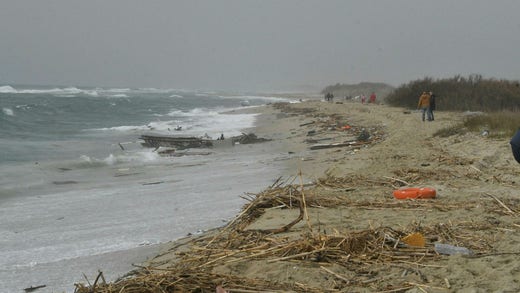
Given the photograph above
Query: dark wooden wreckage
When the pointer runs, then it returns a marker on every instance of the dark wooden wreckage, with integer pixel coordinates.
(188, 142)
(178, 142)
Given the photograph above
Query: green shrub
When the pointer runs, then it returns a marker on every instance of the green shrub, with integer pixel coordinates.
(472, 93)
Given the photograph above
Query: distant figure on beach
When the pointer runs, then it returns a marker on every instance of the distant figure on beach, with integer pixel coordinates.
(424, 104)
(431, 108)
(329, 97)
(373, 98)
(363, 99)
(515, 146)
(221, 136)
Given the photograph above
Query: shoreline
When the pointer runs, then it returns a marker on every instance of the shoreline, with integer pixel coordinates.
(144, 254)
(348, 195)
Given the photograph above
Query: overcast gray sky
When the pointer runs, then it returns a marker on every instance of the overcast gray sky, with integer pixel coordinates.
(254, 45)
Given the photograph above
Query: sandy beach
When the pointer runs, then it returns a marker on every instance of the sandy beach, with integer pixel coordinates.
(332, 223)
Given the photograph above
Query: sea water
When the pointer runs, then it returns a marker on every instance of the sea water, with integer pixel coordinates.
(78, 192)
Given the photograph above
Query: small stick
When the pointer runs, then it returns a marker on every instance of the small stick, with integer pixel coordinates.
(88, 282)
(335, 274)
(475, 168)
(304, 203)
(448, 285)
(502, 204)
(255, 254)
(100, 275)
(217, 259)
(295, 255)
(424, 285)
(398, 180)
(246, 291)
(422, 265)
(396, 290)
(33, 288)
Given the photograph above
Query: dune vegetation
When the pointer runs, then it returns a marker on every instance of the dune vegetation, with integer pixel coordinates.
(492, 106)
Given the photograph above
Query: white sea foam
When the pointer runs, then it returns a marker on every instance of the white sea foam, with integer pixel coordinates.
(122, 128)
(62, 92)
(176, 96)
(145, 156)
(24, 106)
(199, 122)
(118, 90)
(141, 156)
(6, 89)
(8, 111)
(257, 98)
(119, 96)
(65, 96)
(155, 90)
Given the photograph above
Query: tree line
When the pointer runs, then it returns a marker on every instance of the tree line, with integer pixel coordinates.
(459, 93)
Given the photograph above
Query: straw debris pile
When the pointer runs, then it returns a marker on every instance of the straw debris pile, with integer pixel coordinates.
(346, 259)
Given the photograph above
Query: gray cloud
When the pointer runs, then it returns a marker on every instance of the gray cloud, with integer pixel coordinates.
(256, 45)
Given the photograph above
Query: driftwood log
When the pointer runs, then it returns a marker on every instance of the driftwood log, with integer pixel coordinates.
(248, 138)
(337, 145)
(177, 142)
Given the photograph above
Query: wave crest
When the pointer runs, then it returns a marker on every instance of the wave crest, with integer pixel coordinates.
(8, 111)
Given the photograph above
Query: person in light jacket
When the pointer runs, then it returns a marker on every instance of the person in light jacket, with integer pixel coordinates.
(424, 104)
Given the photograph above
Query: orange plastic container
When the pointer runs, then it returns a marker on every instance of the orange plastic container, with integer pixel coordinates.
(415, 192)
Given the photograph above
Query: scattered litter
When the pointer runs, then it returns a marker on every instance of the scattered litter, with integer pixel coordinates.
(364, 135)
(312, 132)
(152, 183)
(33, 288)
(308, 123)
(415, 239)
(247, 138)
(415, 193)
(448, 249)
(64, 182)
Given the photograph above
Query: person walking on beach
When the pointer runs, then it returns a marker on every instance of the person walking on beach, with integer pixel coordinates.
(431, 108)
(329, 97)
(424, 104)
(372, 98)
(363, 98)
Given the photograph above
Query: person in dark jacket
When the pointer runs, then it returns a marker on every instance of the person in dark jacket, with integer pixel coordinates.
(515, 146)
(431, 108)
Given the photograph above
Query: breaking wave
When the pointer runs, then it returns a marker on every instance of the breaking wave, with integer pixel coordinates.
(8, 111)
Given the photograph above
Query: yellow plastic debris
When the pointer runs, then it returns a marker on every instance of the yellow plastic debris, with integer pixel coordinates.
(414, 239)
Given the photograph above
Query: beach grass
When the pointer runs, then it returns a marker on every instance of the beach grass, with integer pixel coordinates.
(503, 124)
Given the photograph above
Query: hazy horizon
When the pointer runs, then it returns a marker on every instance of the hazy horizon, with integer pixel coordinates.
(254, 45)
